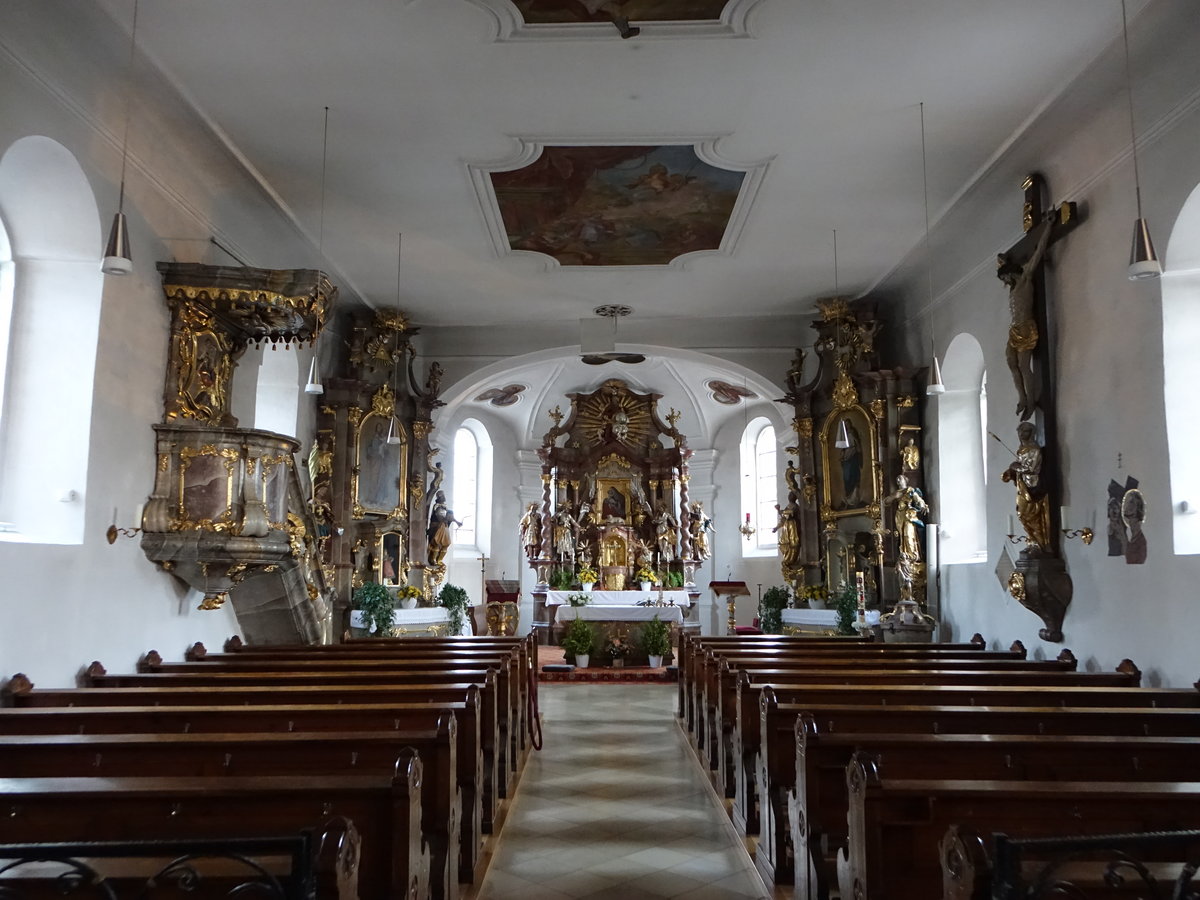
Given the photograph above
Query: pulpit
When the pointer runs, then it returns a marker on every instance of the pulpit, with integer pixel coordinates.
(730, 590)
(503, 607)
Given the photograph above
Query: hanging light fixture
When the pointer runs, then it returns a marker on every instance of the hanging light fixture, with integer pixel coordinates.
(393, 432)
(118, 260)
(314, 385)
(843, 436)
(935, 385)
(1143, 261)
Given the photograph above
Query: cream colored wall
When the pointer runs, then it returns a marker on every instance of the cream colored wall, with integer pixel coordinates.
(1109, 346)
(62, 75)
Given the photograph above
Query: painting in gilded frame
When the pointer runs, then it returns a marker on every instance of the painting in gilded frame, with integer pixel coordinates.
(849, 472)
(617, 206)
(379, 487)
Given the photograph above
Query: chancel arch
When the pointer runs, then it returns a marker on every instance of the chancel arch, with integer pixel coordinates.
(1181, 371)
(49, 211)
(962, 476)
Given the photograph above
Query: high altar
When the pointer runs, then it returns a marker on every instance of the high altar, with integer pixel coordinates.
(614, 499)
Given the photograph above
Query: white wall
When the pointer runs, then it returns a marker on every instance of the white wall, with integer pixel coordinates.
(62, 75)
(1109, 345)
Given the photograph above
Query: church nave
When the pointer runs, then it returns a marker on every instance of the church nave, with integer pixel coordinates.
(616, 806)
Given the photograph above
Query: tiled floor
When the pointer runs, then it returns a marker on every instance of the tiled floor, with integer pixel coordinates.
(615, 807)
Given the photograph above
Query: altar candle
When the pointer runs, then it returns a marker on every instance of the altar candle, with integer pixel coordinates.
(747, 518)
(137, 515)
(1012, 525)
(1063, 515)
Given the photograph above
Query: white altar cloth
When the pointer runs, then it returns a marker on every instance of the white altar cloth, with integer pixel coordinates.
(618, 598)
(670, 614)
(421, 617)
(820, 617)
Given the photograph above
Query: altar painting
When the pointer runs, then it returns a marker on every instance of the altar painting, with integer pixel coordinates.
(548, 12)
(849, 472)
(613, 500)
(617, 206)
(379, 487)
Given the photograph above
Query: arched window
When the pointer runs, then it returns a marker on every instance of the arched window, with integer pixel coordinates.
(6, 295)
(278, 390)
(962, 453)
(1181, 371)
(759, 493)
(51, 323)
(471, 482)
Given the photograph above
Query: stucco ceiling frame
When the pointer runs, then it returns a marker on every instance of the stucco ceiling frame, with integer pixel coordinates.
(510, 26)
(529, 149)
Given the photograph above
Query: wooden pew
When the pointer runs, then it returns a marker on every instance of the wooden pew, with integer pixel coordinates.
(386, 811)
(772, 762)
(321, 863)
(512, 684)
(312, 753)
(772, 857)
(895, 825)
(286, 708)
(818, 805)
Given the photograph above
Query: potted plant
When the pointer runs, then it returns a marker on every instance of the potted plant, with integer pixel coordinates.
(376, 604)
(577, 641)
(770, 609)
(560, 579)
(816, 595)
(616, 647)
(456, 601)
(674, 580)
(588, 577)
(408, 596)
(846, 605)
(645, 575)
(656, 641)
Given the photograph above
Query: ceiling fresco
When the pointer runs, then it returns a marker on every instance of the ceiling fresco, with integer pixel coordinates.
(554, 12)
(617, 206)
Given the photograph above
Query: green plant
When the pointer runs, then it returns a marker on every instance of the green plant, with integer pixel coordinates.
(456, 601)
(656, 637)
(579, 599)
(587, 574)
(770, 616)
(376, 604)
(674, 580)
(578, 638)
(561, 579)
(846, 605)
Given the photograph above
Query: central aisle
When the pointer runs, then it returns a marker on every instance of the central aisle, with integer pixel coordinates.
(615, 806)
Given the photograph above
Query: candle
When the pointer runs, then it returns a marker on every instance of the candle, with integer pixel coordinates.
(747, 518)
(1012, 525)
(1063, 517)
(137, 515)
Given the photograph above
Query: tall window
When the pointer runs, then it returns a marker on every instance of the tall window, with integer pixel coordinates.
(50, 292)
(759, 491)
(277, 394)
(1181, 371)
(471, 493)
(962, 453)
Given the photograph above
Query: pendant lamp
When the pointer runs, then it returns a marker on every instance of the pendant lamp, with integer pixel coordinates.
(393, 436)
(314, 385)
(935, 385)
(118, 260)
(1143, 261)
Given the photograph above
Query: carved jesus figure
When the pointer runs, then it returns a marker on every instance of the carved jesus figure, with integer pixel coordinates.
(1023, 332)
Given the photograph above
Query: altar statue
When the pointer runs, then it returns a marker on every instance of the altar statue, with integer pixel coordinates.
(1033, 502)
(565, 529)
(699, 526)
(666, 534)
(910, 506)
(787, 532)
(531, 531)
(441, 517)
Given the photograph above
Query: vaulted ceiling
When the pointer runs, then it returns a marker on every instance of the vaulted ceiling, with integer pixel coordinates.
(815, 102)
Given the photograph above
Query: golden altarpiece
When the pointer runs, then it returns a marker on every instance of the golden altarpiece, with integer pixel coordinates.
(854, 504)
(614, 496)
(230, 513)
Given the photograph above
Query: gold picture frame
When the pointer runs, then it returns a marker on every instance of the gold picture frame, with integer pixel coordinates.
(379, 485)
(849, 476)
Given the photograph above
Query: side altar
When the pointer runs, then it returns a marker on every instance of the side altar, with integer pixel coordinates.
(615, 509)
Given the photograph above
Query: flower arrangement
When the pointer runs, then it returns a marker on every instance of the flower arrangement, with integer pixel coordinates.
(616, 647)
(816, 592)
(645, 573)
(579, 599)
(409, 590)
(587, 574)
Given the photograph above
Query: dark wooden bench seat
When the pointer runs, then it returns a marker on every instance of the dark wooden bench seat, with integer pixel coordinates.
(321, 863)
(386, 811)
(818, 804)
(312, 753)
(896, 824)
